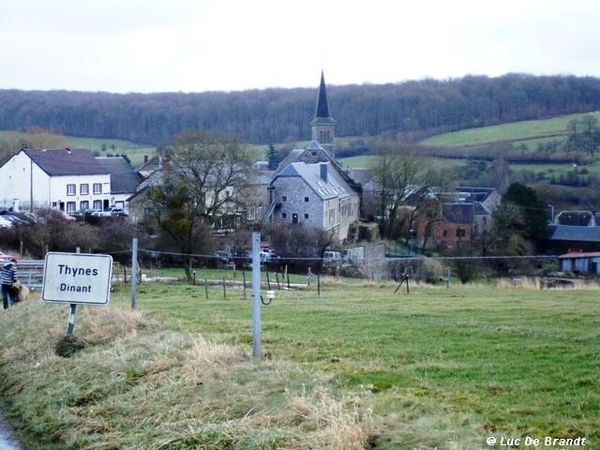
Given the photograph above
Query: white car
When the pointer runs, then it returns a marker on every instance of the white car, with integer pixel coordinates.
(5, 223)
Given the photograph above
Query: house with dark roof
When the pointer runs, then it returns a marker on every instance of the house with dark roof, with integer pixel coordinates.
(123, 179)
(574, 231)
(461, 215)
(65, 179)
(567, 238)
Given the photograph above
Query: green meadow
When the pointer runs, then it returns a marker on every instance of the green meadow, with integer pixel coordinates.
(342, 366)
(514, 131)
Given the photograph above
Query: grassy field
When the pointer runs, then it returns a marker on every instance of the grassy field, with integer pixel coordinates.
(134, 151)
(505, 132)
(527, 133)
(357, 366)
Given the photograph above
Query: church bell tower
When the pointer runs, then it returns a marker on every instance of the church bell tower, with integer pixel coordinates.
(323, 125)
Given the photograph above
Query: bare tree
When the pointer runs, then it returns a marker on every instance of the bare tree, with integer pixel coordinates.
(205, 180)
(398, 172)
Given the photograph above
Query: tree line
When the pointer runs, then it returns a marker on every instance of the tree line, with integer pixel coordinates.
(412, 108)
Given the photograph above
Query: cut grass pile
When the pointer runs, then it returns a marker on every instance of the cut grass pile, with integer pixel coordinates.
(357, 367)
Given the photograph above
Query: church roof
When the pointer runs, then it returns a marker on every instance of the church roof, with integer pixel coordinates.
(322, 109)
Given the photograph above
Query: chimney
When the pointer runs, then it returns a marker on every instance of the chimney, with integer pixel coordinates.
(323, 168)
(145, 159)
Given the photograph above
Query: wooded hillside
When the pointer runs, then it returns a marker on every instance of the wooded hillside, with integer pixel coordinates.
(415, 108)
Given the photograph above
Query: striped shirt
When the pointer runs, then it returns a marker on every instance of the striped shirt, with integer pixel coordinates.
(8, 274)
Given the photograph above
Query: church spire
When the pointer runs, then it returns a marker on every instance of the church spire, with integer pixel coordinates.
(323, 125)
(322, 110)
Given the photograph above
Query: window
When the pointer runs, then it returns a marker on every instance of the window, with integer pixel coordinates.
(84, 205)
(460, 232)
(284, 215)
(306, 199)
(97, 189)
(284, 198)
(98, 204)
(71, 189)
(84, 189)
(70, 207)
(306, 216)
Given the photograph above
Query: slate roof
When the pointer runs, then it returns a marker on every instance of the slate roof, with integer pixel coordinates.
(477, 193)
(123, 178)
(322, 109)
(65, 161)
(335, 186)
(313, 154)
(573, 233)
(458, 213)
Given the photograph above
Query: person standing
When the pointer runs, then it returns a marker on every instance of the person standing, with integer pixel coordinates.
(8, 275)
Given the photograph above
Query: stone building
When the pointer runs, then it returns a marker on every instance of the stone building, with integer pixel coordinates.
(309, 186)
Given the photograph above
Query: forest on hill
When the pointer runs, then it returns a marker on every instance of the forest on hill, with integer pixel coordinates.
(412, 109)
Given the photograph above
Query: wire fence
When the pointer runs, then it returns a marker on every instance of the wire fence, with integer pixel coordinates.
(301, 269)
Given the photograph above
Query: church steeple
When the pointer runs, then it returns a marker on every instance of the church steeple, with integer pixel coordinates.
(322, 110)
(323, 125)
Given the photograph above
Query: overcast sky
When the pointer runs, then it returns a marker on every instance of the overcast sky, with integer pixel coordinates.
(226, 45)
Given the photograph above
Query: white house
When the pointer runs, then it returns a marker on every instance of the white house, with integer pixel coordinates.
(64, 179)
(124, 180)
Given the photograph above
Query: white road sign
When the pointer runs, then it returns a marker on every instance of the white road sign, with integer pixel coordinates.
(77, 278)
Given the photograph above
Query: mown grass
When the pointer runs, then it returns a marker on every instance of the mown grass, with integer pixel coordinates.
(356, 367)
(517, 362)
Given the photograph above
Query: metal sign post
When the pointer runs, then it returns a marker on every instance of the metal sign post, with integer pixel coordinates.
(77, 278)
(134, 270)
(256, 352)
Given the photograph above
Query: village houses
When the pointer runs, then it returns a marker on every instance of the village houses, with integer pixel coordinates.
(308, 188)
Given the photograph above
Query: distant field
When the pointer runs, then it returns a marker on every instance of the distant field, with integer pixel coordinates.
(135, 152)
(358, 162)
(505, 132)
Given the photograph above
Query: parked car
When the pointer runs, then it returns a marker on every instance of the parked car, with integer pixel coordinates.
(110, 212)
(223, 256)
(269, 256)
(331, 256)
(5, 223)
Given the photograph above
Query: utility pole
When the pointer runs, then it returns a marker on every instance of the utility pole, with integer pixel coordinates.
(256, 352)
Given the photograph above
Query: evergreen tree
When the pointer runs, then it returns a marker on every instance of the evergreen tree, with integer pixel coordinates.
(533, 225)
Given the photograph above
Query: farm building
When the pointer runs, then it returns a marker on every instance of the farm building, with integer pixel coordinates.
(577, 261)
